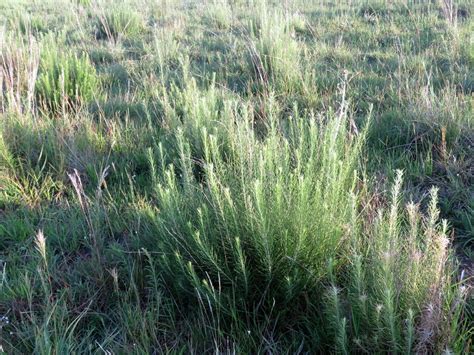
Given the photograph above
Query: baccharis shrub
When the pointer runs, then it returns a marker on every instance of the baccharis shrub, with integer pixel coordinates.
(112, 24)
(276, 53)
(268, 215)
(397, 291)
(65, 80)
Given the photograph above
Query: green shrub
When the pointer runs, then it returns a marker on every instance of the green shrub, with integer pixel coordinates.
(275, 54)
(65, 80)
(398, 286)
(112, 24)
(220, 14)
(28, 24)
(258, 217)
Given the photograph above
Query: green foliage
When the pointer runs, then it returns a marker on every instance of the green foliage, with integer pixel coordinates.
(65, 80)
(276, 54)
(265, 219)
(19, 62)
(116, 22)
(233, 183)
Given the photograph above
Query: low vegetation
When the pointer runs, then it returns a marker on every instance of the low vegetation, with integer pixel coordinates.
(236, 177)
(65, 80)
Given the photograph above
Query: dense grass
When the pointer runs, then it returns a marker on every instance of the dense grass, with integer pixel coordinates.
(65, 80)
(236, 177)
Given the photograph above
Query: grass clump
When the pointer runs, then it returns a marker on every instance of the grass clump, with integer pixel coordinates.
(19, 63)
(220, 14)
(65, 80)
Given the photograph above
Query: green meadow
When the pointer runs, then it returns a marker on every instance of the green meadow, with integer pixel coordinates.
(236, 177)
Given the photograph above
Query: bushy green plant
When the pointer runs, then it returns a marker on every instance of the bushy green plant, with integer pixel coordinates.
(275, 54)
(65, 80)
(114, 23)
(398, 286)
(256, 225)
(260, 218)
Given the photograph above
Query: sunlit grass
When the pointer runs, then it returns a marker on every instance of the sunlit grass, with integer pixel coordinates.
(235, 177)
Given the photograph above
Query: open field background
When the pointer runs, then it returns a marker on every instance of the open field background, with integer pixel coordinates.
(236, 176)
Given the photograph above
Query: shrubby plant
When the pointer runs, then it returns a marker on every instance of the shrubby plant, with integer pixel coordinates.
(118, 21)
(65, 80)
(274, 53)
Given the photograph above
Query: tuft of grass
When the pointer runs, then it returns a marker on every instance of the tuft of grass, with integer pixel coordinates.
(19, 63)
(234, 211)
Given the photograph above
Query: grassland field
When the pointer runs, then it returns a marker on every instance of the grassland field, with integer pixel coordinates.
(236, 177)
